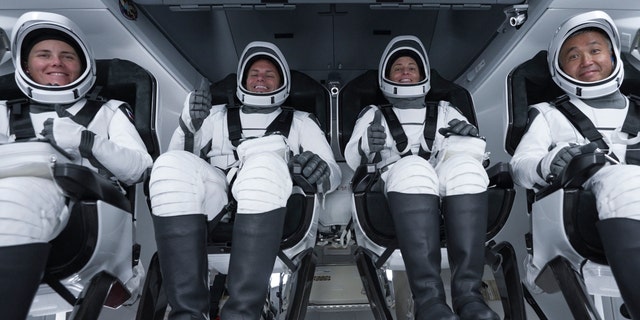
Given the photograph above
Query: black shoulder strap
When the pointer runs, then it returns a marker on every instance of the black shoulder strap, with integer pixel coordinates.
(631, 123)
(88, 112)
(431, 122)
(580, 121)
(20, 119)
(234, 126)
(282, 123)
(395, 127)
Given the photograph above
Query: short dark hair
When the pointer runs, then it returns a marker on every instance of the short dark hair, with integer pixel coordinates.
(36, 36)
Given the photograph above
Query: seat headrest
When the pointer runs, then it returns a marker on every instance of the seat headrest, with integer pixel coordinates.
(530, 83)
(364, 90)
(118, 79)
(306, 94)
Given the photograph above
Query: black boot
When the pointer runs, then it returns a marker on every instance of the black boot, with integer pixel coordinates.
(182, 254)
(465, 219)
(21, 271)
(416, 218)
(621, 243)
(255, 244)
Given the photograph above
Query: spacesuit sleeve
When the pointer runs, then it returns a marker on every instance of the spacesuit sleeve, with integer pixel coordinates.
(313, 139)
(357, 145)
(123, 153)
(533, 146)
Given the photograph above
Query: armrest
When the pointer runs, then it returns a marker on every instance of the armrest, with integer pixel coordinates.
(82, 183)
(577, 171)
(500, 176)
(581, 168)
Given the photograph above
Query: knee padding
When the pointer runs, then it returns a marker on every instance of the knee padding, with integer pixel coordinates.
(33, 210)
(462, 174)
(182, 184)
(616, 188)
(411, 174)
(262, 184)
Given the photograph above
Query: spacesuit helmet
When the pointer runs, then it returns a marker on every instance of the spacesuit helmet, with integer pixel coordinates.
(33, 27)
(398, 47)
(587, 90)
(255, 51)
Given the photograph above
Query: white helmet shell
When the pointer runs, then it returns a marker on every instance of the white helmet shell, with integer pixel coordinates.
(574, 87)
(32, 23)
(277, 97)
(402, 46)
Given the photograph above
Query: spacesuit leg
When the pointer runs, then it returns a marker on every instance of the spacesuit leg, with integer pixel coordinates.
(262, 188)
(466, 226)
(465, 209)
(615, 188)
(415, 208)
(621, 243)
(181, 242)
(184, 190)
(21, 272)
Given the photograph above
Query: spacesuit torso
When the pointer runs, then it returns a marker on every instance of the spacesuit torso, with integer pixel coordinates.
(413, 122)
(117, 146)
(551, 128)
(212, 141)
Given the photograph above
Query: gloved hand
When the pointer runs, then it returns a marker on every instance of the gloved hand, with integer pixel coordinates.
(314, 169)
(376, 136)
(565, 154)
(63, 132)
(459, 128)
(199, 106)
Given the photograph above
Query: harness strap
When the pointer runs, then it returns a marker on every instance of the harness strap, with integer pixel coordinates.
(631, 123)
(398, 134)
(233, 124)
(580, 121)
(281, 124)
(632, 126)
(20, 120)
(20, 117)
(395, 127)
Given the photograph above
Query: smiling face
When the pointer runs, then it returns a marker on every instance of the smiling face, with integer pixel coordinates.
(404, 70)
(53, 62)
(586, 56)
(263, 77)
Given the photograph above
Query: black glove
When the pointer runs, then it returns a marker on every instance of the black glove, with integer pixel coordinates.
(459, 128)
(564, 156)
(199, 107)
(376, 136)
(314, 169)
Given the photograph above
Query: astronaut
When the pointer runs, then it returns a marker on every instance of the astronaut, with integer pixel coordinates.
(418, 168)
(55, 69)
(247, 150)
(584, 60)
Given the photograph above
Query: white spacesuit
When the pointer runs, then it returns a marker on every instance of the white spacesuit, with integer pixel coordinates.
(246, 147)
(418, 168)
(97, 134)
(599, 116)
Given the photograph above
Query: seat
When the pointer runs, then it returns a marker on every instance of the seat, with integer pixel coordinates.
(94, 260)
(563, 240)
(296, 257)
(373, 227)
